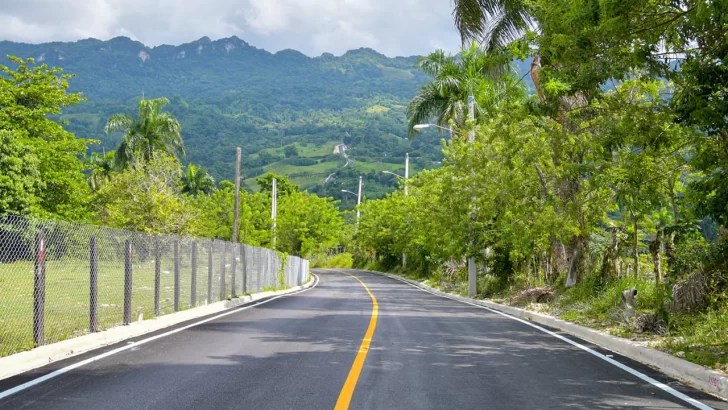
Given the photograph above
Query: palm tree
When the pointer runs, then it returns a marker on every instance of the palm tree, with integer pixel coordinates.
(197, 181)
(454, 78)
(151, 133)
(492, 23)
(101, 168)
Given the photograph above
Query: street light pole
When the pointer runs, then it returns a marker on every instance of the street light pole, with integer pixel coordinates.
(274, 208)
(358, 201)
(406, 172)
(472, 271)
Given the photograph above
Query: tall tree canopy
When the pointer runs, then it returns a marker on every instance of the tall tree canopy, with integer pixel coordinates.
(152, 132)
(52, 182)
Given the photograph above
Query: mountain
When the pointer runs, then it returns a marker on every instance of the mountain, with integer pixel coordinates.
(227, 93)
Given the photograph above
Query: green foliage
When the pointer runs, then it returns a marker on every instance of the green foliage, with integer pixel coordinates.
(290, 151)
(307, 224)
(340, 260)
(152, 133)
(196, 181)
(19, 177)
(54, 184)
(284, 186)
(146, 199)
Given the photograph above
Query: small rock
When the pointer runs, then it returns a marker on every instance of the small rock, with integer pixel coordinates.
(680, 354)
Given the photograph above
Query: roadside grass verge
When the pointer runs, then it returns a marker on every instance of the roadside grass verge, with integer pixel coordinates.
(67, 297)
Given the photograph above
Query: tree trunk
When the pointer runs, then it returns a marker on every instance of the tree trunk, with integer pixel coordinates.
(560, 260)
(610, 265)
(656, 248)
(577, 254)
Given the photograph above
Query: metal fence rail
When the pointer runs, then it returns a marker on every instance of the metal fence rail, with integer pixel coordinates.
(60, 280)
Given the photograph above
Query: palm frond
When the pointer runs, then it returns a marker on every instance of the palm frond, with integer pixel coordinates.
(427, 104)
(493, 23)
(119, 122)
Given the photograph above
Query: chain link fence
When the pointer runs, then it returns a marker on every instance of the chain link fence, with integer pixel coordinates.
(60, 280)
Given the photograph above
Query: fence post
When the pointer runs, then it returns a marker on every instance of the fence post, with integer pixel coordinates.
(157, 274)
(222, 271)
(176, 274)
(127, 281)
(193, 286)
(259, 268)
(94, 285)
(234, 266)
(244, 261)
(39, 289)
(209, 273)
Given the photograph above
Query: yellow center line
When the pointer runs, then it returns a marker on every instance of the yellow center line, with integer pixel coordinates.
(348, 390)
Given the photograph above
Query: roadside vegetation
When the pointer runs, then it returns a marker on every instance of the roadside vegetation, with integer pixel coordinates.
(609, 176)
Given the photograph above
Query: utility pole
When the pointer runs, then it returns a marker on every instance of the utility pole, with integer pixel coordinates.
(237, 195)
(472, 270)
(406, 172)
(274, 208)
(358, 201)
(406, 178)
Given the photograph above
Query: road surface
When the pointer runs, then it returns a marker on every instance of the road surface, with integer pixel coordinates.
(330, 345)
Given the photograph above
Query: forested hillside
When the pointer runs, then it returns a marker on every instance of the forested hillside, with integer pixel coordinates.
(227, 93)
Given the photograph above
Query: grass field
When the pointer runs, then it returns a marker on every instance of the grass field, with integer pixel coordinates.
(67, 295)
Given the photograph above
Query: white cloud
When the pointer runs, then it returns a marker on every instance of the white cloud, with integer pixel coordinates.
(394, 27)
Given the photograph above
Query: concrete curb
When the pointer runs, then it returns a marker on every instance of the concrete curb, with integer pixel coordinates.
(695, 375)
(41, 356)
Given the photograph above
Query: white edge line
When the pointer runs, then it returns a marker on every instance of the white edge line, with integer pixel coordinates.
(67, 369)
(624, 367)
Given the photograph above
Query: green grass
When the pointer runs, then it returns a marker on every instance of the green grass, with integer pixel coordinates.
(67, 296)
(365, 167)
(377, 109)
(288, 169)
(311, 150)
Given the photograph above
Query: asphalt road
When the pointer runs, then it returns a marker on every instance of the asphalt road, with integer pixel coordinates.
(296, 352)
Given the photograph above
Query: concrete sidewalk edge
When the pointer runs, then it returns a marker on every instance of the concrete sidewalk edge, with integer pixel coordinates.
(40, 356)
(693, 374)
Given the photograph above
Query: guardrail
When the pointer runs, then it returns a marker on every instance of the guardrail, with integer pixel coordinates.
(60, 279)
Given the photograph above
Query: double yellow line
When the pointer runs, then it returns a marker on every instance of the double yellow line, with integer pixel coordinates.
(348, 390)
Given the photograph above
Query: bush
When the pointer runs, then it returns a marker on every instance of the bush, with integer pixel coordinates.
(489, 285)
(595, 297)
(341, 260)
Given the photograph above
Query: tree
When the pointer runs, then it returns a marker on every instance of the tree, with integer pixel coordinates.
(454, 78)
(307, 224)
(29, 97)
(146, 199)
(290, 151)
(493, 23)
(102, 167)
(283, 184)
(19, 177)
(196, 181)
(153, 132)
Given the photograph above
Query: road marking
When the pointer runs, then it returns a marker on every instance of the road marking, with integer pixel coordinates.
(609, 360)
(348, 390)
(131, 345)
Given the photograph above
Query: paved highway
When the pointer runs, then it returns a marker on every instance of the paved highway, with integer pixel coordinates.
(358, 340)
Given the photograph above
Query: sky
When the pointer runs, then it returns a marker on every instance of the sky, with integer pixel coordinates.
(392, 27)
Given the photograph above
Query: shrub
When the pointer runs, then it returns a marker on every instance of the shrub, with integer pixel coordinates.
(341, 260)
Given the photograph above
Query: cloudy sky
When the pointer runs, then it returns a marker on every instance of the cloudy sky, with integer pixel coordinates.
(393, 27)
